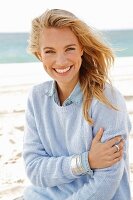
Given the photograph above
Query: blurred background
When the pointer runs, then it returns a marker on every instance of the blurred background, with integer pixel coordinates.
(19, 71)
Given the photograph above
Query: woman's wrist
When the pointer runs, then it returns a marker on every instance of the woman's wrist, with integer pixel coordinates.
(90, 161)
(86, 164)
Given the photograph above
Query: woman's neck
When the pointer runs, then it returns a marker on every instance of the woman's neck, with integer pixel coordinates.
(64, 91)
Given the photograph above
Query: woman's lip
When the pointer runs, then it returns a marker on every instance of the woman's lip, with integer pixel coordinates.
(62, 68)
(61, 73)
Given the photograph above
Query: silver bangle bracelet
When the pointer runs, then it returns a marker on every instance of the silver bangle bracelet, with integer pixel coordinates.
(79, 165)
(76, 165)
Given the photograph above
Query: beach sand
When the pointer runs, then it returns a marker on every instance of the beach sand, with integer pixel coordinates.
(15, 82)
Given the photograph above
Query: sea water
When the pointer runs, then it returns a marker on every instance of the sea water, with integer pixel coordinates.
(13, 46)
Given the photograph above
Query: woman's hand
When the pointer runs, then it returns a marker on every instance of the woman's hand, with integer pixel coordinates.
(106, 154)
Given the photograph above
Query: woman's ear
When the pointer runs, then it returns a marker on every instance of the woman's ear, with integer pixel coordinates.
(82, 51)
(38, 55)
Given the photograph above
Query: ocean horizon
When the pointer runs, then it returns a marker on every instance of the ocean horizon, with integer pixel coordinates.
(14, 45)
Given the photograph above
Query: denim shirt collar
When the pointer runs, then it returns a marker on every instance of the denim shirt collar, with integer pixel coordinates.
(75, 96)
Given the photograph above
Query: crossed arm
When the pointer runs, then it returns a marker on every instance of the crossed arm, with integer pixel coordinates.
(105, 182)
(46, 171)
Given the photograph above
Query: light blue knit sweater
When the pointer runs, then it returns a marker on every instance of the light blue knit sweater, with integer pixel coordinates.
(55, 133)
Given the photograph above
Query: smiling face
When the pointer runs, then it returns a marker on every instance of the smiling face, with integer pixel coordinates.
(61, 53)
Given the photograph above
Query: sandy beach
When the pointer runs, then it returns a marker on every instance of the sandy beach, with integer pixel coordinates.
(15, 82)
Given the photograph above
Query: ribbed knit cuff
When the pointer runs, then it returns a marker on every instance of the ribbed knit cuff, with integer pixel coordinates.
(85, 163)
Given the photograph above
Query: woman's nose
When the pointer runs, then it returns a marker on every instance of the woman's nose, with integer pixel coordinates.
(61, 60)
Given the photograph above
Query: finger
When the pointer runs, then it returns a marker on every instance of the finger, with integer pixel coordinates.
(113, 141)
(99, 135)
(112, 162)
(117, 160)
(121, 144)
(117, 147)
(113, 148)
(117, 154)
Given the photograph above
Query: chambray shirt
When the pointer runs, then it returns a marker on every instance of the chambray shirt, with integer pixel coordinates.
(54, 133)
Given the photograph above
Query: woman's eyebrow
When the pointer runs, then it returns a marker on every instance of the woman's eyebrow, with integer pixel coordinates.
(52, 48)
(69, 45)
(48, 48)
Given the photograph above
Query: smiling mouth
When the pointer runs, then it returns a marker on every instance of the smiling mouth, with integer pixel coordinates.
(62, 71)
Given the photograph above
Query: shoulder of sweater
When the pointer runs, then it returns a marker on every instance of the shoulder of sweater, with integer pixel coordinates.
(113, 95)
(41, 89)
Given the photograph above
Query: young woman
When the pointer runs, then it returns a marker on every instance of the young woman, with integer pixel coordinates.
(77, 126)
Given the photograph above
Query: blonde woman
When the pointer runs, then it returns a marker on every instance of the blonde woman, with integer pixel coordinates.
(77, 126)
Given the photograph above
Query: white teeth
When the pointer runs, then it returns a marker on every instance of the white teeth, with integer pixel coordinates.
(62, 70)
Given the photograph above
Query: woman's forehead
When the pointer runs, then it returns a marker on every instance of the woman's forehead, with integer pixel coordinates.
(58, 35)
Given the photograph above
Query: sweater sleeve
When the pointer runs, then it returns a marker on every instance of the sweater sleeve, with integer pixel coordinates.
(105, 182)
(42, 169)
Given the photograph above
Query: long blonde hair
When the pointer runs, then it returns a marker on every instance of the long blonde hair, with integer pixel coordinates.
(96, 60)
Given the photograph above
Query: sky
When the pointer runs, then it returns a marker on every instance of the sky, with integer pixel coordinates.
(16, 15)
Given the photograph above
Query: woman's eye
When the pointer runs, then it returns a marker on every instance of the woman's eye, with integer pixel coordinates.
(49, 51)
(70, 49)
